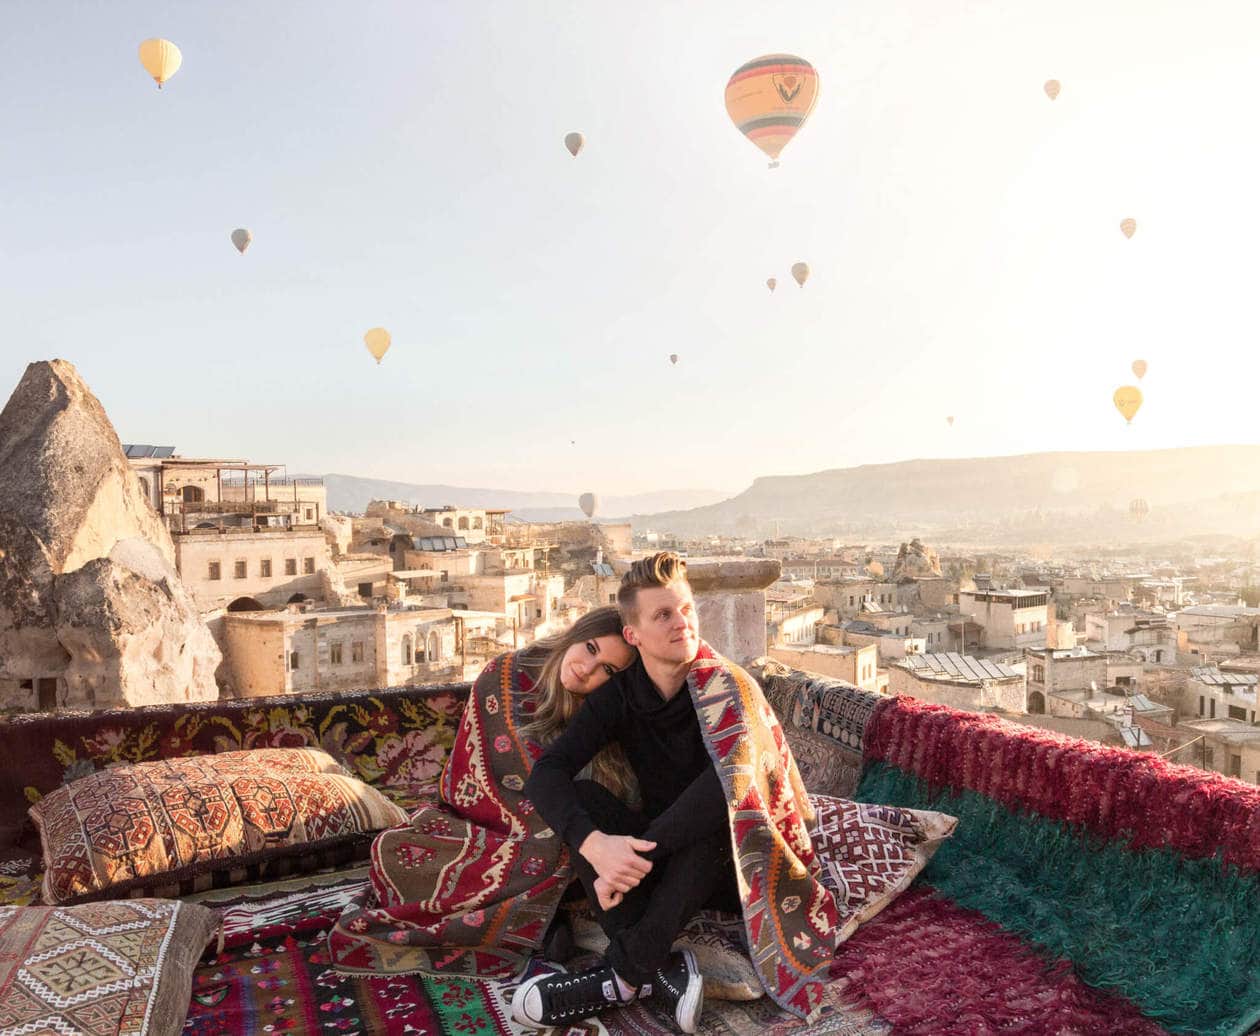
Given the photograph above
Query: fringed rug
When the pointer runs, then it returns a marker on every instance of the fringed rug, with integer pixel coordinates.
(932, 968)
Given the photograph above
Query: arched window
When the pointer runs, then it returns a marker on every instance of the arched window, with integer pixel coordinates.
(1037, 703)
(447, 523)
(477, 524)
(463, 522)
(406, 649)
(435, 647)
(1039, 674)
(420, 646)
(192, 494)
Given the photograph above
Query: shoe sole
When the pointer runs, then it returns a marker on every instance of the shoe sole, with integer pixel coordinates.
(518, 1003)
(687, 1013)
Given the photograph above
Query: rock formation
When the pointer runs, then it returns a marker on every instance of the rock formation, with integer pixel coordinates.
(68, 498)
(915, 561)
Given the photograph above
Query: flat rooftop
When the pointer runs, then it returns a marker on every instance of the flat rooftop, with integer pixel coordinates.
(949, 665)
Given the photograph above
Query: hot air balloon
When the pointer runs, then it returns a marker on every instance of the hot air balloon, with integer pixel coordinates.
(772, 283)
(161, 59)
(1128, 398)
(950, 421)
(769, 98)
(377, 340)
(1128, 226)
(1139, 509)
(1051, 88)
(241, 238)
(589, 503)
(673, 359)
(1139, 369)
(574, 141)
(801, 272)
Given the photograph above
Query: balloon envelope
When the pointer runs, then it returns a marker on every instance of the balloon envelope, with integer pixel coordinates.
(949, 421)
(1139, 369)
(1139, 508)
(1128, 227)
(589, 503)
(377, 340)
(161, 59)
(241, 238)
(673, 358)
(772, 283)
(800, 271)
(574, 142)
(770, 97)
(1052, 88)
(1128, 398)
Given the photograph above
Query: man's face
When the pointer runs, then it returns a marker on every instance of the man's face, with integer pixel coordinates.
(665, 626)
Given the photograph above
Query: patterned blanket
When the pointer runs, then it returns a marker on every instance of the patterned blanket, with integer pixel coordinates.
(471, 884)
(789, 916)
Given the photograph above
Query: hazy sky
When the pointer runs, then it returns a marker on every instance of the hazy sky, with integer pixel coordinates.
(402, 164)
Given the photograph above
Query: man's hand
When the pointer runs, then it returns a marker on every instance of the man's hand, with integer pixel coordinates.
(616, 859)
(608, 896)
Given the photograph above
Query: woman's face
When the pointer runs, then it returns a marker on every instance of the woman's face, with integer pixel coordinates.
(592, 662)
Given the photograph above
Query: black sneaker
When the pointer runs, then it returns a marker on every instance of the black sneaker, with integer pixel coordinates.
(681, 985)
(548, 1000)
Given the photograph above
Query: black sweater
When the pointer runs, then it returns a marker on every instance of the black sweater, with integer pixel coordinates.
(682, 795)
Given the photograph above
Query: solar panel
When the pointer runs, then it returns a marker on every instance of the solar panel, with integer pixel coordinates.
(164, 451)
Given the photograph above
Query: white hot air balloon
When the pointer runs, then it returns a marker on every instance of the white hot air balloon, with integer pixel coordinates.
(589, 503)
(241, 238)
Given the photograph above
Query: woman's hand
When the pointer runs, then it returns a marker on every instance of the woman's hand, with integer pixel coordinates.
(616, 859)
(608, 896)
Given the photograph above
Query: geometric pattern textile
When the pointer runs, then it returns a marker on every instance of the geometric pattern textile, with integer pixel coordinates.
(789, 915)
(117, 829)
(103, 968)
(470, 885)
(871, 853)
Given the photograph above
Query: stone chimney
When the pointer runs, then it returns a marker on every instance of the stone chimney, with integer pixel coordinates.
(731, 600)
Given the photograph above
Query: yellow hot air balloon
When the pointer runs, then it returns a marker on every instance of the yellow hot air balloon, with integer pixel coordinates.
(574, 141)
(161, 59)
(1139, 369)
(241, 238)
(769, 98)
(377, 340)
(1128, 398)
(772, 283)
(1128, 226)
(800, 271)
(1051, 88)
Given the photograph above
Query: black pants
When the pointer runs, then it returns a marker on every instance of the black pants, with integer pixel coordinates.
(643, 926)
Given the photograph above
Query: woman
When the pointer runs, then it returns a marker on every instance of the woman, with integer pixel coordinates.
(471, 885)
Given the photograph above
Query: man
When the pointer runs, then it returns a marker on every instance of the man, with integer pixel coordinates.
(646, 873)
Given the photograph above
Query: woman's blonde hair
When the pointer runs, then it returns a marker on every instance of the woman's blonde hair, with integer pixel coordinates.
(557, 706)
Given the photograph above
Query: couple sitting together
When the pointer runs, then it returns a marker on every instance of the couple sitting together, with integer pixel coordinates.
(626, 753)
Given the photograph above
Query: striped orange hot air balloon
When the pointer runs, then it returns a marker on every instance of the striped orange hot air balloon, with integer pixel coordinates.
(769, 98)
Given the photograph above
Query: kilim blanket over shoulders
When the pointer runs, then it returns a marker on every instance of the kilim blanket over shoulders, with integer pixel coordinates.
(789, 916)
(471, 884)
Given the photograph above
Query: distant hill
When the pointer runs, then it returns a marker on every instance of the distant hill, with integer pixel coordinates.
(350, 493)
(1051, 496)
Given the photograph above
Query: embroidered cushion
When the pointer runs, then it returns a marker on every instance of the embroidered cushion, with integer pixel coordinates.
(121, 828)
(123, 969)
(871, 853)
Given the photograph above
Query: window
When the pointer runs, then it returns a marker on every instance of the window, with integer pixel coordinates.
(310, 514)
(290, 566)
(406, 649)
(1209, 758)
(1237, 712)
(238, 570)
(1200, 705)
(365, 590)
(612, 598)
(215, 572)
(294, 660)
(447, 523)
(443, 577)
(1234, 769)
(1039, 674)
(264, 568)
(308, 565)
(463, 522)
(1212, 708)
(477, 524)
(356, 651)
(46, 692)
(334, 653)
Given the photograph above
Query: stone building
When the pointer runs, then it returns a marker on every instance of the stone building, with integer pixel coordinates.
(856, 665)
(249, 568)
(291, 651)
(475, 524)
(960, 681)
(1012, 619)
(1211, 693)
(1148, 636)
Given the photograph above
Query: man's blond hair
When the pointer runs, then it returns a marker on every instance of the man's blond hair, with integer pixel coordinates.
(662, 569)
